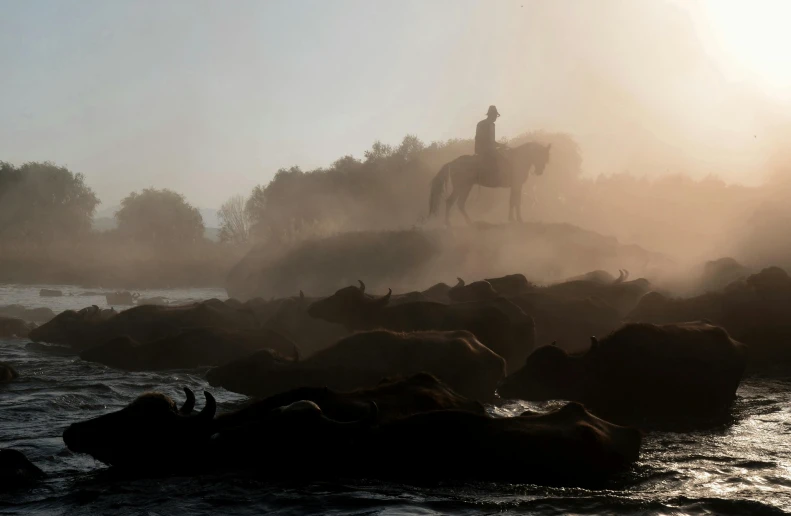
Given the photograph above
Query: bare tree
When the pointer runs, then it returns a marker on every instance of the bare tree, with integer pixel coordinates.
(235, 221)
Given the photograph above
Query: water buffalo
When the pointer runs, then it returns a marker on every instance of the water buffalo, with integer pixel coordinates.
(152, 432)
(36, 315)
(437, 293)
(498, 324)
(73, 328)
(475, 291)
(187, 349)
(488, 289)
(149, 433)
(7, 373)
(756, 310)
(568, 446)
(290, 318)
(16, 470)
(658, 308)
(12, 327)
(303, 438)
(689, 371)
(511, 285)
(92, 327)
(409, 297)
(363, 359)
(718, 274)
(621, 294)
(568, 321)
(395, 398)
(601, 277)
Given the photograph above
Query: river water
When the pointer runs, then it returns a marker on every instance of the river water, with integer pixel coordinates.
(740, 468)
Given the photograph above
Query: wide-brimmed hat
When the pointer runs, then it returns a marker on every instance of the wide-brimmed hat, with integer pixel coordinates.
(492, 109)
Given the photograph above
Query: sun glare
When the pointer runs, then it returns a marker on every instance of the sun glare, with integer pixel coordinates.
(755, 38)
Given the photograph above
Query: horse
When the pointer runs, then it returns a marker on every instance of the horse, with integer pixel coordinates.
(466, 171)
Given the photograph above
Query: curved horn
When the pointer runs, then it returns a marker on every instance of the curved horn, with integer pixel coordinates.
(189, 404)
(362, 286)
(620, 276)
(210, 408)
(373, 412)
(301, 295)
(382, 301)
(625, 275)
(460, 283)
(594, 343)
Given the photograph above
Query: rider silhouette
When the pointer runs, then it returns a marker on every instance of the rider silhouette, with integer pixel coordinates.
(486, 145)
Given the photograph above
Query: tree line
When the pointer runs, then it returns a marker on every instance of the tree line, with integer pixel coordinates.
(385, 189)
(41, 201)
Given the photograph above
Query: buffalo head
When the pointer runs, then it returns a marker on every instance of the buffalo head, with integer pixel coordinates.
(150, 432)
(349, 306)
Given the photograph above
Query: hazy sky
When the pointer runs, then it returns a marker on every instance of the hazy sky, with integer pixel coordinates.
(211, 97)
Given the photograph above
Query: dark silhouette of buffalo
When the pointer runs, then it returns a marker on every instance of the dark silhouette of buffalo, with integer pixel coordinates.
(755, 310)
(436, 435)
(363, 359)
(670, 374)
(12, 327)
(498, 324)
(187, 349)
(16, 471)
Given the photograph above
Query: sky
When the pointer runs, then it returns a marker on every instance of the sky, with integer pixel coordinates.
(210, 98)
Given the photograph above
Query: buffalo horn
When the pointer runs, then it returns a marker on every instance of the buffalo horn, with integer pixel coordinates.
(382, 301)
(210, 408)
(362, 286)
(189, 403)
(373, 412)
(460, 283)
(594, 343)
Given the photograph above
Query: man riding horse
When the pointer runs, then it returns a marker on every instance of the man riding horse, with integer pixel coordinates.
(487, 148)
(488, 168)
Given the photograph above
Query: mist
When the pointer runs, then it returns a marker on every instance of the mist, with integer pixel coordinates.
(662, 138)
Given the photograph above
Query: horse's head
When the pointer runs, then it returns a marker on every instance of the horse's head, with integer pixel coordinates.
(541, 156)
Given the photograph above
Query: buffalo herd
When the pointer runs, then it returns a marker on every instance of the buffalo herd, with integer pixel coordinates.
(392, 385)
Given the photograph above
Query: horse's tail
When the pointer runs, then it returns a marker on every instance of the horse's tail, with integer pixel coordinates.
(437, 188)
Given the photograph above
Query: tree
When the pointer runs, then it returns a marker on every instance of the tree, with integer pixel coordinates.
(159, 217)
(410, 147)
(234, 221)
(41, 201)
(378, 150)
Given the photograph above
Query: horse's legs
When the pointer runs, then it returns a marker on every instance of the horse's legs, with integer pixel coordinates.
(516, 196)
(513, 204)
(449, 204)
(463, 194)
